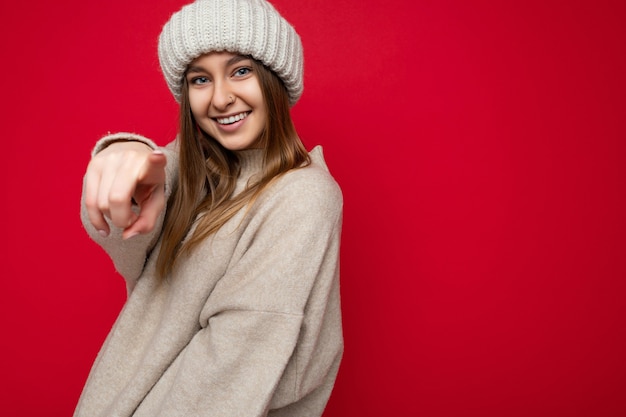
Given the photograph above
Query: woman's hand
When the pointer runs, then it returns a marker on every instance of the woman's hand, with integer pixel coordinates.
(118, 175)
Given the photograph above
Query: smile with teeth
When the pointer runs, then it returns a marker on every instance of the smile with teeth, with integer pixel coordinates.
(232, 119)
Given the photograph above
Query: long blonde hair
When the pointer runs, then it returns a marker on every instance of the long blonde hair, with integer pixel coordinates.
(208, 172)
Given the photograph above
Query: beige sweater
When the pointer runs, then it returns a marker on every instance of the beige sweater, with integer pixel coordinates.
(248, 325)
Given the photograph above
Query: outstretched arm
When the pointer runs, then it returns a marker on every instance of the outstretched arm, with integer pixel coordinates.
(127, 183)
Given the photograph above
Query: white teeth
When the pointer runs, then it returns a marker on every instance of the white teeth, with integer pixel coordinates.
(232, 119)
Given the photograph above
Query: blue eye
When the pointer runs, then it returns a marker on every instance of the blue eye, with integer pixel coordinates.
(199, 80)
(243, 71)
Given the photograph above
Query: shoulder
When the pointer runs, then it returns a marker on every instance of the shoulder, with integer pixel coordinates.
(313, 182)
(311, 189)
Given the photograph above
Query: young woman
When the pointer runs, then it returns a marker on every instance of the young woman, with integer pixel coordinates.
(228, 238)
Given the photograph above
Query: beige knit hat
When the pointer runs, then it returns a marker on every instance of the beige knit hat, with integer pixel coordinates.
(247, 27)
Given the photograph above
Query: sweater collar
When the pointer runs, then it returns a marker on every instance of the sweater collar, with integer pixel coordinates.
(250, 163)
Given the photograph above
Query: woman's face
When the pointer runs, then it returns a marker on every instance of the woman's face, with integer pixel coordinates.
(226, 99)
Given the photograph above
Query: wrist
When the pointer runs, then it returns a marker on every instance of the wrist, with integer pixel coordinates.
(122, 137)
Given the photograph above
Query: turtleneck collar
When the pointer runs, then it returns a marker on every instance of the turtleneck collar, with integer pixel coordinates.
(251, 163)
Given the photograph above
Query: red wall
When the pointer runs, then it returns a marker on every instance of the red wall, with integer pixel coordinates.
(481, 149)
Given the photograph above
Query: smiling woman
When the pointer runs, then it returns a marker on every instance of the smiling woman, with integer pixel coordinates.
(228, 238)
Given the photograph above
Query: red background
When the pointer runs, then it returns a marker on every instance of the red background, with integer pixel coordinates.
(480, 146)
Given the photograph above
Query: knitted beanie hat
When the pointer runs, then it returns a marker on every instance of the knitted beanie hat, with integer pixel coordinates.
(246, 27)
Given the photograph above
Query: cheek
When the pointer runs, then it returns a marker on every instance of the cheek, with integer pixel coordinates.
(198, 103)
(252, 93)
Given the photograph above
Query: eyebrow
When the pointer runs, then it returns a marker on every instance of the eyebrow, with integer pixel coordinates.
(232, 61)
(194, 69)
(236, 59)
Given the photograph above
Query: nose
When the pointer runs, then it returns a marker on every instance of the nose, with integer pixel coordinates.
(222, 96)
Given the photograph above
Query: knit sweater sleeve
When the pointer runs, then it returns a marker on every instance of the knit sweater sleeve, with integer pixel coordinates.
(129, 256)
(271, 328)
